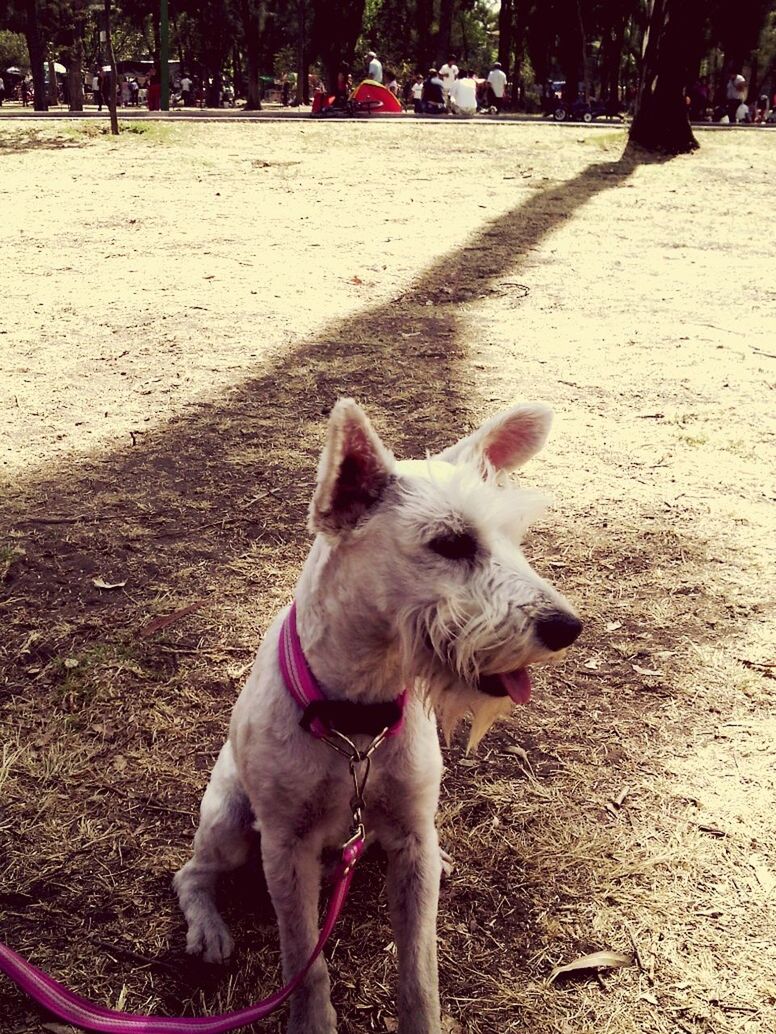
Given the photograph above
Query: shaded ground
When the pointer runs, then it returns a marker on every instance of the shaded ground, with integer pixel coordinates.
(185, 305)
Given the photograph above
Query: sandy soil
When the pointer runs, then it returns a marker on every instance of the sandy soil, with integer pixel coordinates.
(180, 308)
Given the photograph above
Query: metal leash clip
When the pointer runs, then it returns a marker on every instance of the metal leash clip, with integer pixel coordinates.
(351, 849)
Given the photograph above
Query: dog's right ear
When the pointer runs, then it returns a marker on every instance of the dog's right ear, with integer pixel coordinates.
(353, 472)
(506, 441)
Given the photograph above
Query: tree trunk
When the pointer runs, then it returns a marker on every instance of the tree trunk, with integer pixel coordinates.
(505, 16)
(75, 60)
(445, 31)
(662, 122)
(37, 55)
(571, 48)
(301, 51)
(520, 40)
(114, 78)
(336, 28)
(253, 18)
(583, 54)
(613, 40)
(425, 17)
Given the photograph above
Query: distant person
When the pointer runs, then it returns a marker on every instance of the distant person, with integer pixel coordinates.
(2, 91)
(126, 93)
(448, 73)
(25, 92)
(106, 87)
(393, 84)
(343, 85)
(417, 94)
(497, 87)
(433, 96)
(186, 85)
(375, 70)
(97, 90)
(285, 92)
(742, 112)
(154, 92)
(463, 95)
(735, 93)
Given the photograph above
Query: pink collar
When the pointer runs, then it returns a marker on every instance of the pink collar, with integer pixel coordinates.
(320, 713)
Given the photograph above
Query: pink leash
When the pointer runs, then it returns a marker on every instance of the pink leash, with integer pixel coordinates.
(80, 1012)
(85, 1014)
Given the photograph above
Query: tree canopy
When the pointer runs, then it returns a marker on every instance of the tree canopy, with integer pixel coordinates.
(592, 47)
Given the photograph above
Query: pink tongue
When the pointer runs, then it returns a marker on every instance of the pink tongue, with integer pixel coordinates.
(517, 684)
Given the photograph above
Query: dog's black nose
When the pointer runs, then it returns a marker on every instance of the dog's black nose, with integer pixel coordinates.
(558, 630)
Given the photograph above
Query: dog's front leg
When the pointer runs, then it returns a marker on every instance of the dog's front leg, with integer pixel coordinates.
(292, 868)
(414, 870)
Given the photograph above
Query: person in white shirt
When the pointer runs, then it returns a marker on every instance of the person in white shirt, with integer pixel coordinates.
(735, 94)
(448, 73)
(497, 86)
(186, 85)
(375, 67)
(417, 94)
(463, 95)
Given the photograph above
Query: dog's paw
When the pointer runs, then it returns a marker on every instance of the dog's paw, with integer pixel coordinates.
(211, 939)
(447, 863)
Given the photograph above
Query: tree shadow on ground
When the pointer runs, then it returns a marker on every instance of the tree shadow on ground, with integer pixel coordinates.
(211, 460)
(24, 139)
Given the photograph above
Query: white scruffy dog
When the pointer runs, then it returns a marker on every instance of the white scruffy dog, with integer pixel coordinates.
(415, 580)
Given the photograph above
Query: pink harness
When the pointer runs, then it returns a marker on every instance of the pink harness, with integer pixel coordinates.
(80, 1012)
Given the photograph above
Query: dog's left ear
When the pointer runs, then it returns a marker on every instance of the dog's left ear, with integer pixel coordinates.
(354, 470)
(506, 441)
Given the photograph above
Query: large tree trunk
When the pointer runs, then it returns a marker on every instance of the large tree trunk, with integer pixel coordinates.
(662, 122)
(37, 55)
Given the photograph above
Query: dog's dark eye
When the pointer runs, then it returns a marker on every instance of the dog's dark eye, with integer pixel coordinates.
(455, 545)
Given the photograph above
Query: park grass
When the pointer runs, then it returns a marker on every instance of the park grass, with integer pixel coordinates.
(167, 419)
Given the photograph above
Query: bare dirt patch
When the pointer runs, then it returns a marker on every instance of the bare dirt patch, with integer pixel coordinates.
(180, 309)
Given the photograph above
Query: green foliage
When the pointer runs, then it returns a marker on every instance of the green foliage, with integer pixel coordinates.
(13, 50)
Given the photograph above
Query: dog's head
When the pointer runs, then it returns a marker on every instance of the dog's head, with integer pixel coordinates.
(431, 549)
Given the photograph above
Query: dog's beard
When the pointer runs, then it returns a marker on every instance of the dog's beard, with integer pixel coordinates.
(452, 702)
(448, 676)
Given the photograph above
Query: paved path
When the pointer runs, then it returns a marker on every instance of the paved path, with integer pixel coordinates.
(14, 111)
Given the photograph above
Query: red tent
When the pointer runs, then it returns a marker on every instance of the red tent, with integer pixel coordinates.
(368, 98)
(375, 98)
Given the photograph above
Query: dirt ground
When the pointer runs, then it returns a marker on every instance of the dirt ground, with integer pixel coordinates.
(180, 308)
